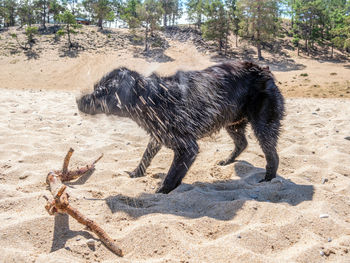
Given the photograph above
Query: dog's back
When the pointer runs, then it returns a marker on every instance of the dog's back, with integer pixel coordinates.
(197, 103)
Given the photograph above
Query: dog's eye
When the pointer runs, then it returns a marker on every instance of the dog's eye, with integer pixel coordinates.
(101, 91)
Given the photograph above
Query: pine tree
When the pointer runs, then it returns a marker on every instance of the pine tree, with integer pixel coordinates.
(2, 13)
(55, 8)
(26, 12)
(100, 10)
(233, 17)
(195, 11)
(177, 11)
(9, 12)
(217, 22)
(258, 21)
(337, 30)
(70, 26)
(128, 13)
(149, 14)
(309, 19)
(42, 8)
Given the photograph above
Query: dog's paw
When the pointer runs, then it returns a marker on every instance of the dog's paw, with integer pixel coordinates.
(222, 163)
(225, 162)
(135, 174)
(266, 179)
(163, 190)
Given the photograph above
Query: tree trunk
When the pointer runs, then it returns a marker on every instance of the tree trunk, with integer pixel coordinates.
(12, 20)
(199, 21)
(226, 38)
(44, 21)
(258, 46)
(146, 39)
(29, 20)
(298, 49)
(165, 20)
(68, 32)
(100, 23)
(332, 50)
(258, 32)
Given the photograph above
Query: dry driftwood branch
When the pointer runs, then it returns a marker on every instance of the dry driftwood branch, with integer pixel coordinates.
(66, 175)
(66, 160)
(60, 203)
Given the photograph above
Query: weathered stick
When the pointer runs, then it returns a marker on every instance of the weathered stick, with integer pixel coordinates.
(66, 175)
(60, 203)
(66, 161)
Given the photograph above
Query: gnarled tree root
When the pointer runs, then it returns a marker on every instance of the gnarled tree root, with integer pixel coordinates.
(60, 203)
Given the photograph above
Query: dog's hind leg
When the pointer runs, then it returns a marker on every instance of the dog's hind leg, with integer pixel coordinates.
(267, 135)
(152, 149)
(183, 159)
(237, 133)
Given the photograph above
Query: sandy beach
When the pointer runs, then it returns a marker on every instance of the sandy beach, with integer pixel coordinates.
(218, 214)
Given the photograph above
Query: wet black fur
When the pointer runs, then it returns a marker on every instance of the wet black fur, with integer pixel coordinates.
(178, 110)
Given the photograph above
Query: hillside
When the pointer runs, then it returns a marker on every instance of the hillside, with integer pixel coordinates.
(51, 65)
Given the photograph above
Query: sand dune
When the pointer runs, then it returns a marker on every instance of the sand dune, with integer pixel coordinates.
(218, 214)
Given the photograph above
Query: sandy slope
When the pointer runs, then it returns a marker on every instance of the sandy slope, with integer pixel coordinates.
(219, 214)
(298, 76)
(64, 73)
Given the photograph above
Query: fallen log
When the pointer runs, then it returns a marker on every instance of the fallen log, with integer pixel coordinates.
(60, 202)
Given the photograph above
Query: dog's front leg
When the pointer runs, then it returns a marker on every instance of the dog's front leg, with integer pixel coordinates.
(152, 149)
(183, 159)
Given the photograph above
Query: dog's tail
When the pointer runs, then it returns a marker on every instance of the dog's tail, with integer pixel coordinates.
(275, 98)
(267, 100)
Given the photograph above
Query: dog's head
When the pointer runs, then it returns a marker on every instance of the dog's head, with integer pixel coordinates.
(112, 94)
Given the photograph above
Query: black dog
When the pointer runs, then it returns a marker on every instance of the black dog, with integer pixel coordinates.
(178, 110)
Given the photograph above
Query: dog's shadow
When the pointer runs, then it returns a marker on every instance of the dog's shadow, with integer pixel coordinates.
(220, 199)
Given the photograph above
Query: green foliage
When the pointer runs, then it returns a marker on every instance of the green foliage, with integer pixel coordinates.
(100, 10)
(55, 9)
(67, 18)
(195, 11)
(295, 40)
(128, 13)
(304, 74)
(41, 10)
(216, 26)
(26, 12)
(347, 44)
(2, 12)
(313, 21)
(320, 21)
(171, 10)
(259, 21)
(69, 26)
(9, 12)
(149, 14)
(30, 32)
